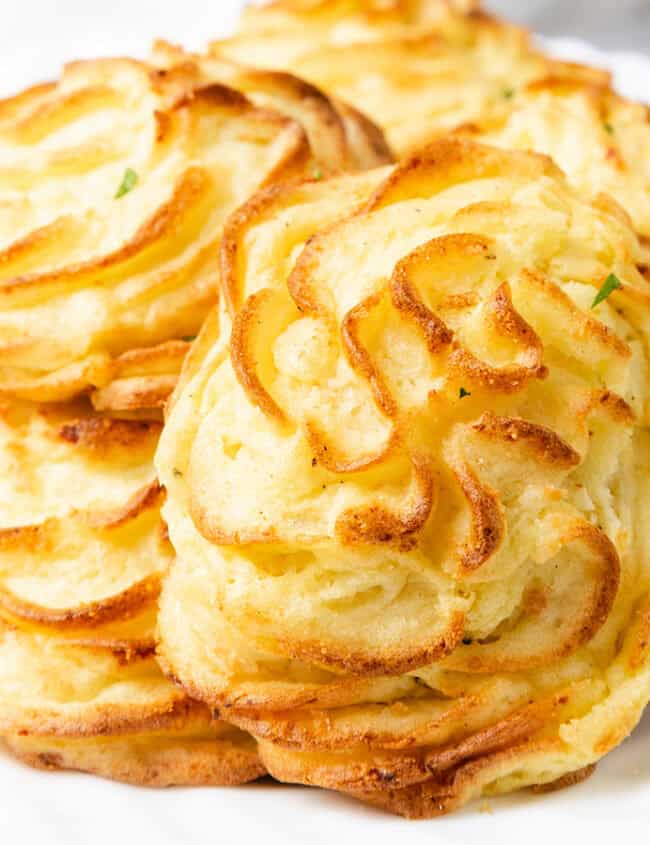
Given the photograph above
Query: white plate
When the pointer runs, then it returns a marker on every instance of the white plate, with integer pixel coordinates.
(36, 37)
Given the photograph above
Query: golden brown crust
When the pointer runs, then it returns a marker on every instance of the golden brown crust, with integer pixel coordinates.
(438, 797)
(48, 540)
(142, 379)
(137, 393)
(159, 707)
(450, 160)
(395, 661)
(364, 136)
(244, 355)
(488, 526)
(358, 356)
(163, 761)
(150, 497)
(356, 770)
(233, 233)
(570, 779)
(541, 440)
(376, 525)
(313, 725)
(123, 605)
(97, 434)
(329, 455)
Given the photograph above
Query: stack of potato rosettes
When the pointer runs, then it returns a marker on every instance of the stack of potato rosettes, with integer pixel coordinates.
(393, 539)
(115, 184)
(80, 571)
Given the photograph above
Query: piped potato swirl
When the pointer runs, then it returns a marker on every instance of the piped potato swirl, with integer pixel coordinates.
(115, 183)
(405, 469)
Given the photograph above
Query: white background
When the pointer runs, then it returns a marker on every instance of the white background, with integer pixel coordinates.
(36, 36)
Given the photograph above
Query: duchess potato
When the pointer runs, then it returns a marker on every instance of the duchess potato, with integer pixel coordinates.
(406, 469)
(115, 183)
(419, 74)
(82, 552)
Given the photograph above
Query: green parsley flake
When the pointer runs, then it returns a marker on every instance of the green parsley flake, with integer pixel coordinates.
(610, 284)
(608, 128)
(463, 393)
(129, 181)
(318, 174)
(189, 338)
(508, 93)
